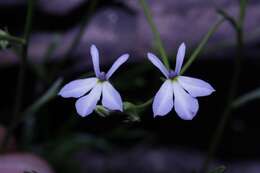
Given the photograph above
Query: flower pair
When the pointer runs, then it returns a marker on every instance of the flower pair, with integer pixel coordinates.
(178, 91)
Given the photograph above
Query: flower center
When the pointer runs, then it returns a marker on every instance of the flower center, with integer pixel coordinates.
(102, 76)
(172, 74)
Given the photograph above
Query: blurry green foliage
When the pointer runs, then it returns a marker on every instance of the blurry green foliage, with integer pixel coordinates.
(220, 169)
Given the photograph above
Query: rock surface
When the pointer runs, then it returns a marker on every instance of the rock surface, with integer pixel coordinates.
(22, 162)
(116, 31)
(157, 160)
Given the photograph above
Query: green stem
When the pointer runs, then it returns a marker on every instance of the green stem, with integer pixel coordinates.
(156, 34)
(12, 39)
(22, 72)
(231, 96)
(201, 45)
(145, 104)
(85, 20)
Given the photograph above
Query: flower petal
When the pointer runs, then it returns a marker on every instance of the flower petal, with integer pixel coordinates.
(78, 88)
(155, 60)
(117, 64)
(85, 105)
(195, 87)
(185, 105)
(95, 59)
(163, 100)
(180, 57)
(111, 99)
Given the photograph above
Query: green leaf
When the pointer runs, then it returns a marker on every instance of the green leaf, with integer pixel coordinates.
(242, 100)
(220, 169)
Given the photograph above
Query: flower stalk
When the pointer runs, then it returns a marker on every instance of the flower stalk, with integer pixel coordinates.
(238, 26)
(156, 34)
(22, 72)
(202, 44)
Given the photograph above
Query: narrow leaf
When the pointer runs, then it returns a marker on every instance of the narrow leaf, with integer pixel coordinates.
(240, 101)
(220, 169)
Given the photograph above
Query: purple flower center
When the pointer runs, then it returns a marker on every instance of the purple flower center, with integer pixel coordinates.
(102, 76)
(172, 74)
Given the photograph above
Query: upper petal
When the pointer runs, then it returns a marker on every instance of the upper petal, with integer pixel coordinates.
(163, 100)
(195, 87)
(111, 99)
(155, 60)
(85, 105)
(180, 57)
(185, 105)
(117, 64)
(78, 88)
(95, 59)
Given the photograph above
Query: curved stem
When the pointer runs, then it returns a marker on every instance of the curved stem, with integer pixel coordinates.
(156, 34)
(145, 104)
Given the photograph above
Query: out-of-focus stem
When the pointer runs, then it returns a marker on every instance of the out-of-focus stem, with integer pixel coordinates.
(232, 93)
(145, 104)
(202, 44)
(83, 24)
(22, 72)
(156, 34)
(24, 58)
(12, 39)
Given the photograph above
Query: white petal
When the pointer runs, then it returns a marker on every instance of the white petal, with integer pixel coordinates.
(180, 57)
(155, 60)
(85, 105)
(117, 64)
(111, 99)
(163, 100)
(195, 87)
(78, 88)
(185, 105)
(95, 59)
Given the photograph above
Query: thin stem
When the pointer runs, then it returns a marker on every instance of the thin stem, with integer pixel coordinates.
(12, 39)
(228, 110)
(242, 13)
(22, 72)
(145, 104)
(24, 58)
(156, 34)
(201, 45)
(85, 20)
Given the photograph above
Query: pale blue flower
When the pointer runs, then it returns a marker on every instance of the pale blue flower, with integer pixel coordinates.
(96, 86)
(178, 91)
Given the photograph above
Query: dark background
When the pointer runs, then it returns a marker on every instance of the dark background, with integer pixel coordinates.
(162, 144)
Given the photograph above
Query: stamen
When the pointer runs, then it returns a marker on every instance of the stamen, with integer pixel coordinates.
(102, 76)
(172, 74)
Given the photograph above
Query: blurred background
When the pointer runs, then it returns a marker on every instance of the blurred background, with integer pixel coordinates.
(53, 138)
